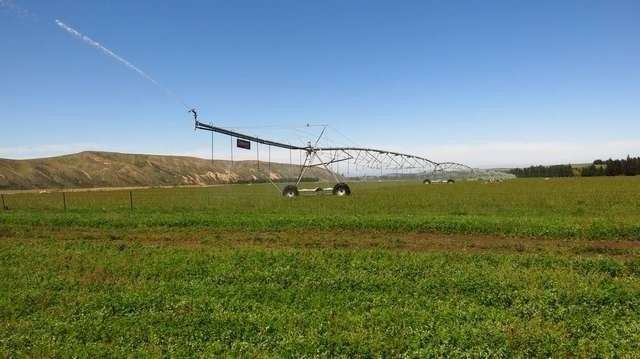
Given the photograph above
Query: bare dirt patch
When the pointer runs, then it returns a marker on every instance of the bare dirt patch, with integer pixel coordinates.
(347, 240)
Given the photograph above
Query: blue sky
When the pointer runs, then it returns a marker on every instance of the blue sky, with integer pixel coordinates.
(488, 83)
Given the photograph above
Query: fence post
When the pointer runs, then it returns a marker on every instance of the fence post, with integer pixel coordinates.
(4, 205)
(131, 200)
(64, 201)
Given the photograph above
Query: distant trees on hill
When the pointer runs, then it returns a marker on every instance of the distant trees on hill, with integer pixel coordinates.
(544, 171)
(627, 167)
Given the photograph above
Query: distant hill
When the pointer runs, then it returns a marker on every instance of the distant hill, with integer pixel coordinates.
(108, 169)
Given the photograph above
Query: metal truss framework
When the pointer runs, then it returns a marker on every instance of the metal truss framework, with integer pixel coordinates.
(359, 157)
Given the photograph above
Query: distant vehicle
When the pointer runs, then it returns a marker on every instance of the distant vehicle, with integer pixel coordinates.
(440, 177)
(434, 181)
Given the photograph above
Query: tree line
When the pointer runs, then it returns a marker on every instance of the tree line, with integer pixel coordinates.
(622, 167)
(544, 171)
(625, 167)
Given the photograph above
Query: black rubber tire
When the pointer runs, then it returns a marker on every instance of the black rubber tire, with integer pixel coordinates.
(427, 181)
(451, 181)
(341, 189)
(290, 191)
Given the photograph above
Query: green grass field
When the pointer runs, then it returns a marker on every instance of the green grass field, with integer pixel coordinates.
(562, 208)
(522, 268)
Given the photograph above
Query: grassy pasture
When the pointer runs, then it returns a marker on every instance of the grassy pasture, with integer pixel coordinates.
(212, 296)
(562, 208)
(526, 268)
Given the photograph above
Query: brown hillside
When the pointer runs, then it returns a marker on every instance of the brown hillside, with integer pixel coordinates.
(109, 169)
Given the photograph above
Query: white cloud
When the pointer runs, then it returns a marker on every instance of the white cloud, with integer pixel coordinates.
(22, 152)
(510, 154)
(483, 155)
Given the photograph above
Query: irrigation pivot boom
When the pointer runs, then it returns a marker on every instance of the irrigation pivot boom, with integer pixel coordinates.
(315, 155)
(364, 158)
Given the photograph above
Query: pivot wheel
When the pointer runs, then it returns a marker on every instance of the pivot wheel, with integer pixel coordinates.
(451, 181)
(427, 181)
(341, 189)
(290, 191)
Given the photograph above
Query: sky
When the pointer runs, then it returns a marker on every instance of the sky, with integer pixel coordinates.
(485, 83)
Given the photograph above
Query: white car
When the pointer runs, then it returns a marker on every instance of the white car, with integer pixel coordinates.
(439, 180)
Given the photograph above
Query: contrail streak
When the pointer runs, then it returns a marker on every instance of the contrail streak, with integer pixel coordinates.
(112, 54)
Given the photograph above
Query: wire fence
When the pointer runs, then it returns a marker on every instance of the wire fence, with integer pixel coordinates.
(69, 200)
(240, 195)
